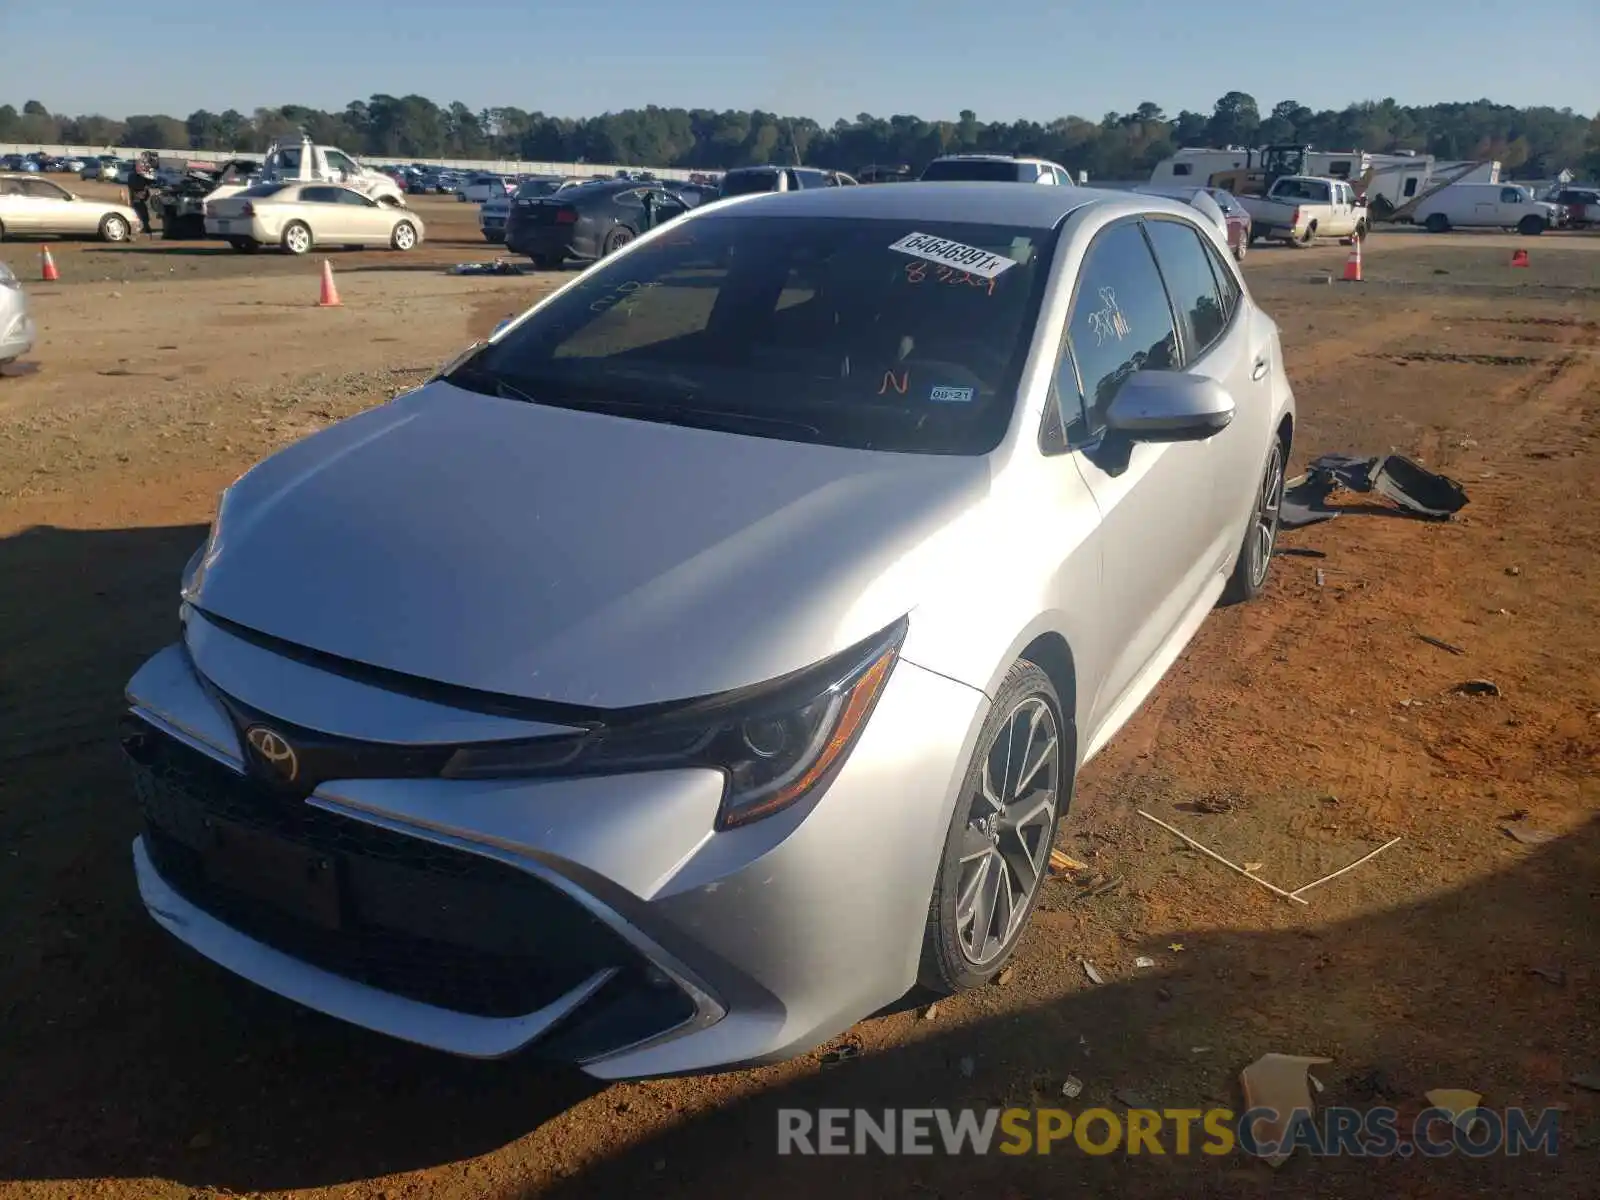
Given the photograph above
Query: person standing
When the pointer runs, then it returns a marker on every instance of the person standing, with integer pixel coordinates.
(140, 181)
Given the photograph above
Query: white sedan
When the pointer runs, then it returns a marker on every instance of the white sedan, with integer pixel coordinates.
(298, 216)
(36, 207)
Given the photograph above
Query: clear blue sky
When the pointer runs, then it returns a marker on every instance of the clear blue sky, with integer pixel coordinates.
(822, 58)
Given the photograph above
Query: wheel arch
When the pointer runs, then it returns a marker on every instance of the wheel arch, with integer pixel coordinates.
(1050, 652)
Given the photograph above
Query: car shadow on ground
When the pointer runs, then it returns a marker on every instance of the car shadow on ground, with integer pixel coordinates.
(126, 1056)
(1152, 1037)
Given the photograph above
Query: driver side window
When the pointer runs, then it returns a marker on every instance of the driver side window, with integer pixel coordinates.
(1121, 322)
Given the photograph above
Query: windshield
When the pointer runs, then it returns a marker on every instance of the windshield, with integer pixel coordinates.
(880, 334)
(978, 170)
(1225, 201)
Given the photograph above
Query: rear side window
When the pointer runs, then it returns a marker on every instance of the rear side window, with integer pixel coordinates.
(1228, 289)
(1120, 321)
(1190, 283)
(744, 183)
(1182, 168)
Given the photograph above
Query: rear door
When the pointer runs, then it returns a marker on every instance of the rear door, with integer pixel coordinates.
(1220, 342)
(16, 211)
(1156, 500)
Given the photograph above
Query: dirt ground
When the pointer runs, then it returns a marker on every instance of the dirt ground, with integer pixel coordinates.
(1299, 732)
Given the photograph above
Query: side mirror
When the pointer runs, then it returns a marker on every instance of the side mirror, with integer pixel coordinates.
(1170, 406)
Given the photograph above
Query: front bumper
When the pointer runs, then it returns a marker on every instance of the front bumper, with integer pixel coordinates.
(643, 941)
(17, 336)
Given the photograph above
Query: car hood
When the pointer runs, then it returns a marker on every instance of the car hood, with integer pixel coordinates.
(576, 557)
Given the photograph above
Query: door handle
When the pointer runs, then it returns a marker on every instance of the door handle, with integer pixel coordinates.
(1258, 371)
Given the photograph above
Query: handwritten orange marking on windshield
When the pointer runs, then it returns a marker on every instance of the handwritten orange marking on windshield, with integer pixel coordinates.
(916, 272)
(899, 385)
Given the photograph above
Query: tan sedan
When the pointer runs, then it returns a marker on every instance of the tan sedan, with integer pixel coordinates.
(34, 207)
(298, 216)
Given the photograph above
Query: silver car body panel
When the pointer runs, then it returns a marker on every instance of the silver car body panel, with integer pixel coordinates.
(595, 560)
(17, 330)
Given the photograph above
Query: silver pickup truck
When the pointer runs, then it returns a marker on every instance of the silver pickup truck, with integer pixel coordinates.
(1299, 209)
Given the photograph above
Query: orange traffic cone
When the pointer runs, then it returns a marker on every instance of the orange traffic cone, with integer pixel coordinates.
(330, 294)
(1352, 263)
(47, 266)
(1519, 258)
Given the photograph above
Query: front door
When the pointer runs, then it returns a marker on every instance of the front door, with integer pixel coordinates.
(1156, 500)
(328, 217)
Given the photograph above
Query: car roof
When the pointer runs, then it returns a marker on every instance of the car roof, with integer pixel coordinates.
(987, 203)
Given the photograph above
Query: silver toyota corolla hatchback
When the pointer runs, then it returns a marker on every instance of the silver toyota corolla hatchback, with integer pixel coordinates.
(691, 669)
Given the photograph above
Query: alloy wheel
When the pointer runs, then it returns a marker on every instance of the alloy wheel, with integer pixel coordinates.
(1268, 507)
(1006, 843)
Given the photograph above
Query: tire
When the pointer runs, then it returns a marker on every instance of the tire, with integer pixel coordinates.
(1306, 240)
(1243, 248)
(297, 237)
(1531, 226)
(548, 262)
(1437, 223)
(244, 245)
(615, 240)
(493, 240)
(2, 231)
(980, 840)
(114, 228)
(1361, 231)
(1260, 535)
(404, 236)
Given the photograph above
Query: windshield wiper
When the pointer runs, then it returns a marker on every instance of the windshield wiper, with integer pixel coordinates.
(489, 383)
(476, 379)
(688, 414)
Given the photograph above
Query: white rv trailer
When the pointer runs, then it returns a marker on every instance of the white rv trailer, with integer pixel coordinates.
(1395, 177)
(1480, 172)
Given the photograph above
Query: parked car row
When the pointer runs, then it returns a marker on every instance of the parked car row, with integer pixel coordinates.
(39, 161)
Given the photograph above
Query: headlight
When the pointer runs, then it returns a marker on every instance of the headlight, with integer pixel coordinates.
(194, 572)
(774, 743)
(8, 278)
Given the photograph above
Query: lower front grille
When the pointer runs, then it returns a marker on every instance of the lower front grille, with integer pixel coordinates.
(428, 922)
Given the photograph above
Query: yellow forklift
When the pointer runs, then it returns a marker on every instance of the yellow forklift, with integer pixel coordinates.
(1262, 169)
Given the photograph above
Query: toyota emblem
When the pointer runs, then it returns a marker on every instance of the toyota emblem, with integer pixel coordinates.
(274, 750)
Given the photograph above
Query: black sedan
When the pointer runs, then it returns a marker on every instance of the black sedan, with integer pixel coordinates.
(587, 222)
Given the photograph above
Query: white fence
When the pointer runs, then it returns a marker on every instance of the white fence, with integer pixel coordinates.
(503, 166)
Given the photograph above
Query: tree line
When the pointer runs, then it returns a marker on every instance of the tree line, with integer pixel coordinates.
(1529, 142)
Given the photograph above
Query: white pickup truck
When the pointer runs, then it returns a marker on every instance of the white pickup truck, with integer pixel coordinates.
(1299, 209)
(305, 162)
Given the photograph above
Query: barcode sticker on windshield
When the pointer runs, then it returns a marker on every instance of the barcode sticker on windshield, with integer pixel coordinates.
(953, 254)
